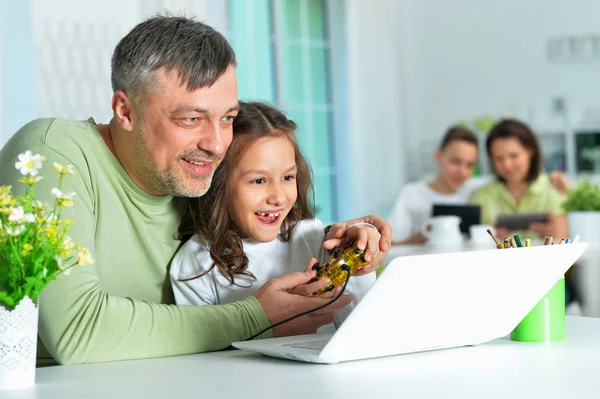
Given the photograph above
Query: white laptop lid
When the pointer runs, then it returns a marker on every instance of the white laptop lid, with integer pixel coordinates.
(439, 301)
(447, 300)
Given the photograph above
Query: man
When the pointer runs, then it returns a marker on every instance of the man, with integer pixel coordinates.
(175, 97)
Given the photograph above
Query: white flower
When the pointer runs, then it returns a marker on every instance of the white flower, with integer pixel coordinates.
(18, 215)
(45, 272)
(60, 195)
(16, 230)
(29, 164)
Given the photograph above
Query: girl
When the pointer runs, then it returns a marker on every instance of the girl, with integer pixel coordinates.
(456, 159)
(255, 222)
(515, 155)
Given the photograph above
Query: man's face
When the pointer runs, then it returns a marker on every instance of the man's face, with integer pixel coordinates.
(183, 136)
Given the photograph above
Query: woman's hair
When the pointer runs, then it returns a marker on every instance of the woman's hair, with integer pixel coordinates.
(512, 128)
(210, 214)
(458, 133)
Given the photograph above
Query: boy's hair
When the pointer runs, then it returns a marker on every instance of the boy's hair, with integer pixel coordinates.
(458, 133)
(512, 128)
(210, 213)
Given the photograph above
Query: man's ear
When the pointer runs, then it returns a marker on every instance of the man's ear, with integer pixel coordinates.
(122, 109)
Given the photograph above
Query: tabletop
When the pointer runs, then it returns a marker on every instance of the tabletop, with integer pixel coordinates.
(498, 369)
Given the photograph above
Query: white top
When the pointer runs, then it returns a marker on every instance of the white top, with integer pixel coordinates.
(415, 203)
(496, 370)
(265, 261)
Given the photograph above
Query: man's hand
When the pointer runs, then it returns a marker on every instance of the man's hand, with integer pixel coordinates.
(375, 242)
(279, 303)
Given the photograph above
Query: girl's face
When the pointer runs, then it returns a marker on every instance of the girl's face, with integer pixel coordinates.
(263, 188)
(511, 159)
(456, 163)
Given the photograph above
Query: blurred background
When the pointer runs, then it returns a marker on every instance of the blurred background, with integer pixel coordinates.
(373, 84)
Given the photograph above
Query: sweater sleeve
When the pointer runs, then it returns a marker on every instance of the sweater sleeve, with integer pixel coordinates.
(81, 323)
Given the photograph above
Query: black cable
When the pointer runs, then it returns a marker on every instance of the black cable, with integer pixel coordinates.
(346, 268)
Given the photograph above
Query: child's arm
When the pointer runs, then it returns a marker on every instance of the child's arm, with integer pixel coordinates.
(191, 260)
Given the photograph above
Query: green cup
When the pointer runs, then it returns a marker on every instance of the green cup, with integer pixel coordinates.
(546, 321)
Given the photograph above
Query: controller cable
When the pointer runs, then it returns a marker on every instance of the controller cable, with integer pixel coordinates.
(346, 268)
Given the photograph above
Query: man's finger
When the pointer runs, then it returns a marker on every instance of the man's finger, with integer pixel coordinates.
(340, 303)
(292, 280)
(311, 288)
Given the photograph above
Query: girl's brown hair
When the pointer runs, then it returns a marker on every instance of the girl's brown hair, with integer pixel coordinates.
(512, 128)
(209, 214)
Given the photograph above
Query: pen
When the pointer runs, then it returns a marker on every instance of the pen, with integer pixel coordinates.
(493, 238)
(528, 242)
(576, 239)
(518, 240)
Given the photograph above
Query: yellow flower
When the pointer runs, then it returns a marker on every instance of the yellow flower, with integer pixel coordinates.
(63, 170)
(5, 190)
(27, 247)
(64, 202)
(5, 200)
(30, 180)
(84, 256)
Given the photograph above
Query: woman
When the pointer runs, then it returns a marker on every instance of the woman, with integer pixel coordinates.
(515, 155)
(456, 159)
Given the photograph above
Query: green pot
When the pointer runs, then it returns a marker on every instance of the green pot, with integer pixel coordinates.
(546, 321)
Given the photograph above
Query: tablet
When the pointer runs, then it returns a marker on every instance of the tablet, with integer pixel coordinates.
(521, 221)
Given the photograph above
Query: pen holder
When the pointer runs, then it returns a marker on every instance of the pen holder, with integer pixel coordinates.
(546, 321)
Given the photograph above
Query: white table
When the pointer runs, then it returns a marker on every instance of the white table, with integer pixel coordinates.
(585, 276)
(499, 369)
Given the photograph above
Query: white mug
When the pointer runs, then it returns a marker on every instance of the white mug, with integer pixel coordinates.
(480, 236)
(442, 231)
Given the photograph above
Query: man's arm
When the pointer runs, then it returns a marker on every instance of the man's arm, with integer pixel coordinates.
(80, 323)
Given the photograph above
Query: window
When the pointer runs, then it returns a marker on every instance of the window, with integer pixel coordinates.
(283, 49)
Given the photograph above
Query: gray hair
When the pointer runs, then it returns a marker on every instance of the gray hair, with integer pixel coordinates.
(195, 51)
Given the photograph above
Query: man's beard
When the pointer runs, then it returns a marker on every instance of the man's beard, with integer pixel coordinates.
(168, 181)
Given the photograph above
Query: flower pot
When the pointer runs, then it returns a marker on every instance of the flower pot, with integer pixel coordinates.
(586, 224)
(18, 344)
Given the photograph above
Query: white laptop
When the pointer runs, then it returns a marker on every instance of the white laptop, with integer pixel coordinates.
(428, 302)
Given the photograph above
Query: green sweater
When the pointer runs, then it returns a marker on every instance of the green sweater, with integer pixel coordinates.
(122, 307)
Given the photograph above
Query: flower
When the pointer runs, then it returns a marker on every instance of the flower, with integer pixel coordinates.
(15, 231)
(29, 164)
(34, 245)
(64, 199)
(84, 256)
(63, 170)
(18, 215)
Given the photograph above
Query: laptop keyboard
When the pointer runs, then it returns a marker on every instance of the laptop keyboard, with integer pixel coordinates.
(314, 345)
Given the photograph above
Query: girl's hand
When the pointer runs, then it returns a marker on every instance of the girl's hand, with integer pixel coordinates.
(372, 234)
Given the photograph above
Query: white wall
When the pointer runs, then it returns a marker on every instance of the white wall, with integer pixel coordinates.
(376, 154)
(466, 58)
(56, 60)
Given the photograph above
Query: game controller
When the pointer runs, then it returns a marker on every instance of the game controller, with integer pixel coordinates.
(343, 260)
